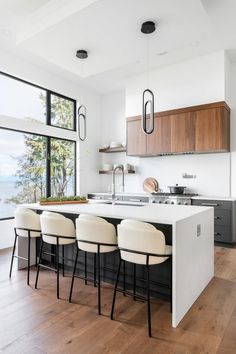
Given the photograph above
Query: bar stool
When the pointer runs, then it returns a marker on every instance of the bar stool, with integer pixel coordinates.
(59, 231)
(94, 235)
(141, 243)
(27, 225)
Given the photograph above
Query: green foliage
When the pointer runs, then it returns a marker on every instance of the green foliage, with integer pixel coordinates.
(62, 199)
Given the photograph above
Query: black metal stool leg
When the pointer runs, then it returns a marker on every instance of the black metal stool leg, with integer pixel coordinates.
(85, 267)
(58, 270)
(73, 275)
(148, 302)
(13, 253)
(171, 287)
(40, 258)
(95, 269)
(63, 262)
(134, 281)
(36, 262)
(115, 288)
(28, 265)
(99, 283)
(124, 280)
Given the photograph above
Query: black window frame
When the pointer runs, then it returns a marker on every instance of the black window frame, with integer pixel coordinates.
(48, 155)
(48, 101)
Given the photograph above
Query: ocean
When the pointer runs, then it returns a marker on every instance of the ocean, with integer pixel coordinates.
(7, 190)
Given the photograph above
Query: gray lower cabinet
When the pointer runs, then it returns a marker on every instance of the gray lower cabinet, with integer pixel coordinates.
(224, 218)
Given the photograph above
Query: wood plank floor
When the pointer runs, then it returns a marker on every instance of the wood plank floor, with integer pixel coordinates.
(35, 322)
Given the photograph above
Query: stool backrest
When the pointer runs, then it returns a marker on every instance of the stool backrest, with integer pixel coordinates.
(56, 224)
(141, 237)
(94, 229)
(27, 219)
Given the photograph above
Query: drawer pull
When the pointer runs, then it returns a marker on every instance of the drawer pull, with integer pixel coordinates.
(217, 218)
(217, 234)
(210, 204)
(134, 200)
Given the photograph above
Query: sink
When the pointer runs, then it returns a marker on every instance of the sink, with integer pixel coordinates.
(124, 204)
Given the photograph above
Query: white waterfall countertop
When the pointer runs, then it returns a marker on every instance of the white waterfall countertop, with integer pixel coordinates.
(156, 213)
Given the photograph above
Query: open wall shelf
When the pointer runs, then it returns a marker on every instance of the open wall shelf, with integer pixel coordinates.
(111, 150)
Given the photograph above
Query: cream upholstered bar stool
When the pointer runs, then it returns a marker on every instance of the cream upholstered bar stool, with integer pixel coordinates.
(97, 236)
(59, 231)
(27, 225)
(141, 243)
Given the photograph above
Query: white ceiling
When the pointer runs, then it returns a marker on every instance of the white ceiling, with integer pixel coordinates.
(49, 32)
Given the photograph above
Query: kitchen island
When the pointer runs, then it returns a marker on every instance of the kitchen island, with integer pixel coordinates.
(192, 239)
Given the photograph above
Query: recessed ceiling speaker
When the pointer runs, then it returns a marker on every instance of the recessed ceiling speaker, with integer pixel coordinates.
(82, 54)
(148, 27)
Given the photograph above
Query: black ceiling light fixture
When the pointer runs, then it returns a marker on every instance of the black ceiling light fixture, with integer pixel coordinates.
(82, 54)
(82, 110)
(148, 27)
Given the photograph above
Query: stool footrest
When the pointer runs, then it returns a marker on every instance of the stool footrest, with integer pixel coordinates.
(25, 259)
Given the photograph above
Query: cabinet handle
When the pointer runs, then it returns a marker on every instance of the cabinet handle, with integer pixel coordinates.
(210, 204)
(144, 115)
(217, 234)
(82, 116)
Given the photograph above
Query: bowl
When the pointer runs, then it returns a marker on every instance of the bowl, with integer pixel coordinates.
(115, 144)
(107, 167)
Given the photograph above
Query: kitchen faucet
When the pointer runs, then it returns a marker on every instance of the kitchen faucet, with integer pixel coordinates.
(113, 195)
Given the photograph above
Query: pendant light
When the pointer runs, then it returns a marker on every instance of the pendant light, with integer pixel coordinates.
(148, 96)
(82, 111)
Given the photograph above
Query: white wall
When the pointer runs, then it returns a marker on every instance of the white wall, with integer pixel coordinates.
(198, 81)
(88, 156)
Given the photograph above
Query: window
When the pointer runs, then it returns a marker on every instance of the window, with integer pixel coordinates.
(23, 100)
(22, 170)
(33, 164)
(62, 167)
(62, 112)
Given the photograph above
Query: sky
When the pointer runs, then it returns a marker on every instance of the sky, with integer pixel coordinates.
(20, 101)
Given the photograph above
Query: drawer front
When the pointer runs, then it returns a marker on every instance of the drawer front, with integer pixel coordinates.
(222, 217)
(118, 197)
(136, 199)
(223, 234)
(95, 196)
(217, 204)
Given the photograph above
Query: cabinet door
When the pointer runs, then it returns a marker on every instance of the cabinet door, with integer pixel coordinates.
(212, 130)
(160, 140)
(136, 139)
(183, 132)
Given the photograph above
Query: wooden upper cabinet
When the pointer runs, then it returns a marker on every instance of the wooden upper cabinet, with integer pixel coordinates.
(136, 139)
(183, 132)
(212, 130)
(159, 141)
(197, 129)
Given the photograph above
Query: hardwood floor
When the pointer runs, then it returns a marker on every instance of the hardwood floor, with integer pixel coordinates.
(35, 322)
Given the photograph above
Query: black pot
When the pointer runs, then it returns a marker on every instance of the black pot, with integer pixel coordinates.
(176, 189)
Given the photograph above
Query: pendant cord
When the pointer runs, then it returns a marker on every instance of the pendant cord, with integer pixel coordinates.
(147, 62)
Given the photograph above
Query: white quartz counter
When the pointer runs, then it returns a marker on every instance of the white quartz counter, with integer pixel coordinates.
(163, 214)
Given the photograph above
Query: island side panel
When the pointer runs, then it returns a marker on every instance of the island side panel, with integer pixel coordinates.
(193, 260)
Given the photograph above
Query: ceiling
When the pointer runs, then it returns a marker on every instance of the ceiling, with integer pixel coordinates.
(49, 32)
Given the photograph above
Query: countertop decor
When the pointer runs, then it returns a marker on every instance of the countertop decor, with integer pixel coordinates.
(63, 200)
